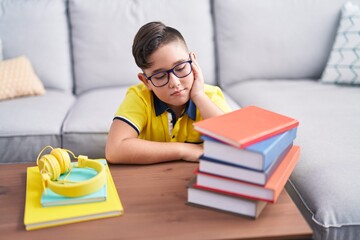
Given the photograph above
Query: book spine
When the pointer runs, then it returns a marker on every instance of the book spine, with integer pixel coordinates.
(234, 194)
(240, 173)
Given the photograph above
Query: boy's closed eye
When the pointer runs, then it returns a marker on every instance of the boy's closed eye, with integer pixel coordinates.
(180, 67)
(160, 76)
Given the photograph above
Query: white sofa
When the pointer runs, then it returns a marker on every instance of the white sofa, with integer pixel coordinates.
(266, 53)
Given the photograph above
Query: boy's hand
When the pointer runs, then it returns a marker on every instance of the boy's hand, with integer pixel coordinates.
(206, 106)
(191, 152)
(197, 89)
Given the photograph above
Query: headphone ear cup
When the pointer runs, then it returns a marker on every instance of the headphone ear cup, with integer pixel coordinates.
(50, 164)
(62, 158)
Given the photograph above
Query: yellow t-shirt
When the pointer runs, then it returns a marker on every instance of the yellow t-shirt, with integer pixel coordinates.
(154, 121)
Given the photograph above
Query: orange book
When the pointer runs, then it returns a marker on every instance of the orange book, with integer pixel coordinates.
(269, 192)
(245, 126)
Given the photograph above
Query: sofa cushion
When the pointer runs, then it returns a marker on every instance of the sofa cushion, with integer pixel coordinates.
(18, 79)
(325, 182)
(87, 125)
(30, 123)
(39, 30)
(103, 32)
(272, 39)
(343, 66)
(230, 101)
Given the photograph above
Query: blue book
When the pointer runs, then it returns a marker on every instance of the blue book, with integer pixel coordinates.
(208, 165)
(50, 198)
(258, 156)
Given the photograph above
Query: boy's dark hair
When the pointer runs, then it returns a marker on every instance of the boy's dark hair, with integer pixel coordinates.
(149, 38)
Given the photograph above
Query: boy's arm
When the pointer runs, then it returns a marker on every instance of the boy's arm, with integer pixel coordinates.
(207, 108)
(123, 146)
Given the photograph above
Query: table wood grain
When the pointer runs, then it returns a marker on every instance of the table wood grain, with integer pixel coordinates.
(154, 199)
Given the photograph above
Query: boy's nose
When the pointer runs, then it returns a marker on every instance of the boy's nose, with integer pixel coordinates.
(173, 80)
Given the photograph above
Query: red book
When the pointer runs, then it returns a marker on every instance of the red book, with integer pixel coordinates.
(245, 126)
(269, 192)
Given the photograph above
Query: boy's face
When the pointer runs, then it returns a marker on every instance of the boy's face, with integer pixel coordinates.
(176, 92)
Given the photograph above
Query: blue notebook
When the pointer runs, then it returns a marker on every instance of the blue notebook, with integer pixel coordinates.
(258, 156)
(50, 198)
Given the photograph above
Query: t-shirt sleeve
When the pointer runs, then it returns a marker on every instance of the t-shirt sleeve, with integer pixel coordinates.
(133, 110)
(217, 97)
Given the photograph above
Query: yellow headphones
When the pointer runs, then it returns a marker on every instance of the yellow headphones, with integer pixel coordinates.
(52, 165)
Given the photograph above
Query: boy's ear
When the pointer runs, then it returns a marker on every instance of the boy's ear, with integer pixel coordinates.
(193, 56)
(142, 78)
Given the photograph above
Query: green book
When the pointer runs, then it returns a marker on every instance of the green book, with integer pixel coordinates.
(50, 198)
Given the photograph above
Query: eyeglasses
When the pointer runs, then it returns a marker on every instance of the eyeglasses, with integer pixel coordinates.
(181, 70)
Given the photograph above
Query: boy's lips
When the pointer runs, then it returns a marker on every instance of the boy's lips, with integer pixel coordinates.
(177, 93)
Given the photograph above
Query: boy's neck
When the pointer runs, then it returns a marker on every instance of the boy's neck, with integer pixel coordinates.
(178, 110)
(161, 106)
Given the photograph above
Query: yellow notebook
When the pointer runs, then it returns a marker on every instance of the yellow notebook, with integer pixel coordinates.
(36, 216)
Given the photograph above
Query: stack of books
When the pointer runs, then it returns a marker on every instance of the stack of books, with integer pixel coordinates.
(47, 209)
(248, 157)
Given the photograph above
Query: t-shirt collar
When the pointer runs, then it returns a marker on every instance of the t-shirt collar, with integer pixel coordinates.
(161, 107)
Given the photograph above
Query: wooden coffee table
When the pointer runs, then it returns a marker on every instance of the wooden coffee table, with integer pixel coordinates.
(154, 199)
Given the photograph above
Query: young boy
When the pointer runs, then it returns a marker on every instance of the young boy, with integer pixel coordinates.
(155, 121)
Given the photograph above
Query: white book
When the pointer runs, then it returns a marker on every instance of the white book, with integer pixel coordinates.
(224, 202)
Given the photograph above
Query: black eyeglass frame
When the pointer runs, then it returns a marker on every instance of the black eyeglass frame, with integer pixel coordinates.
(172, 70)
